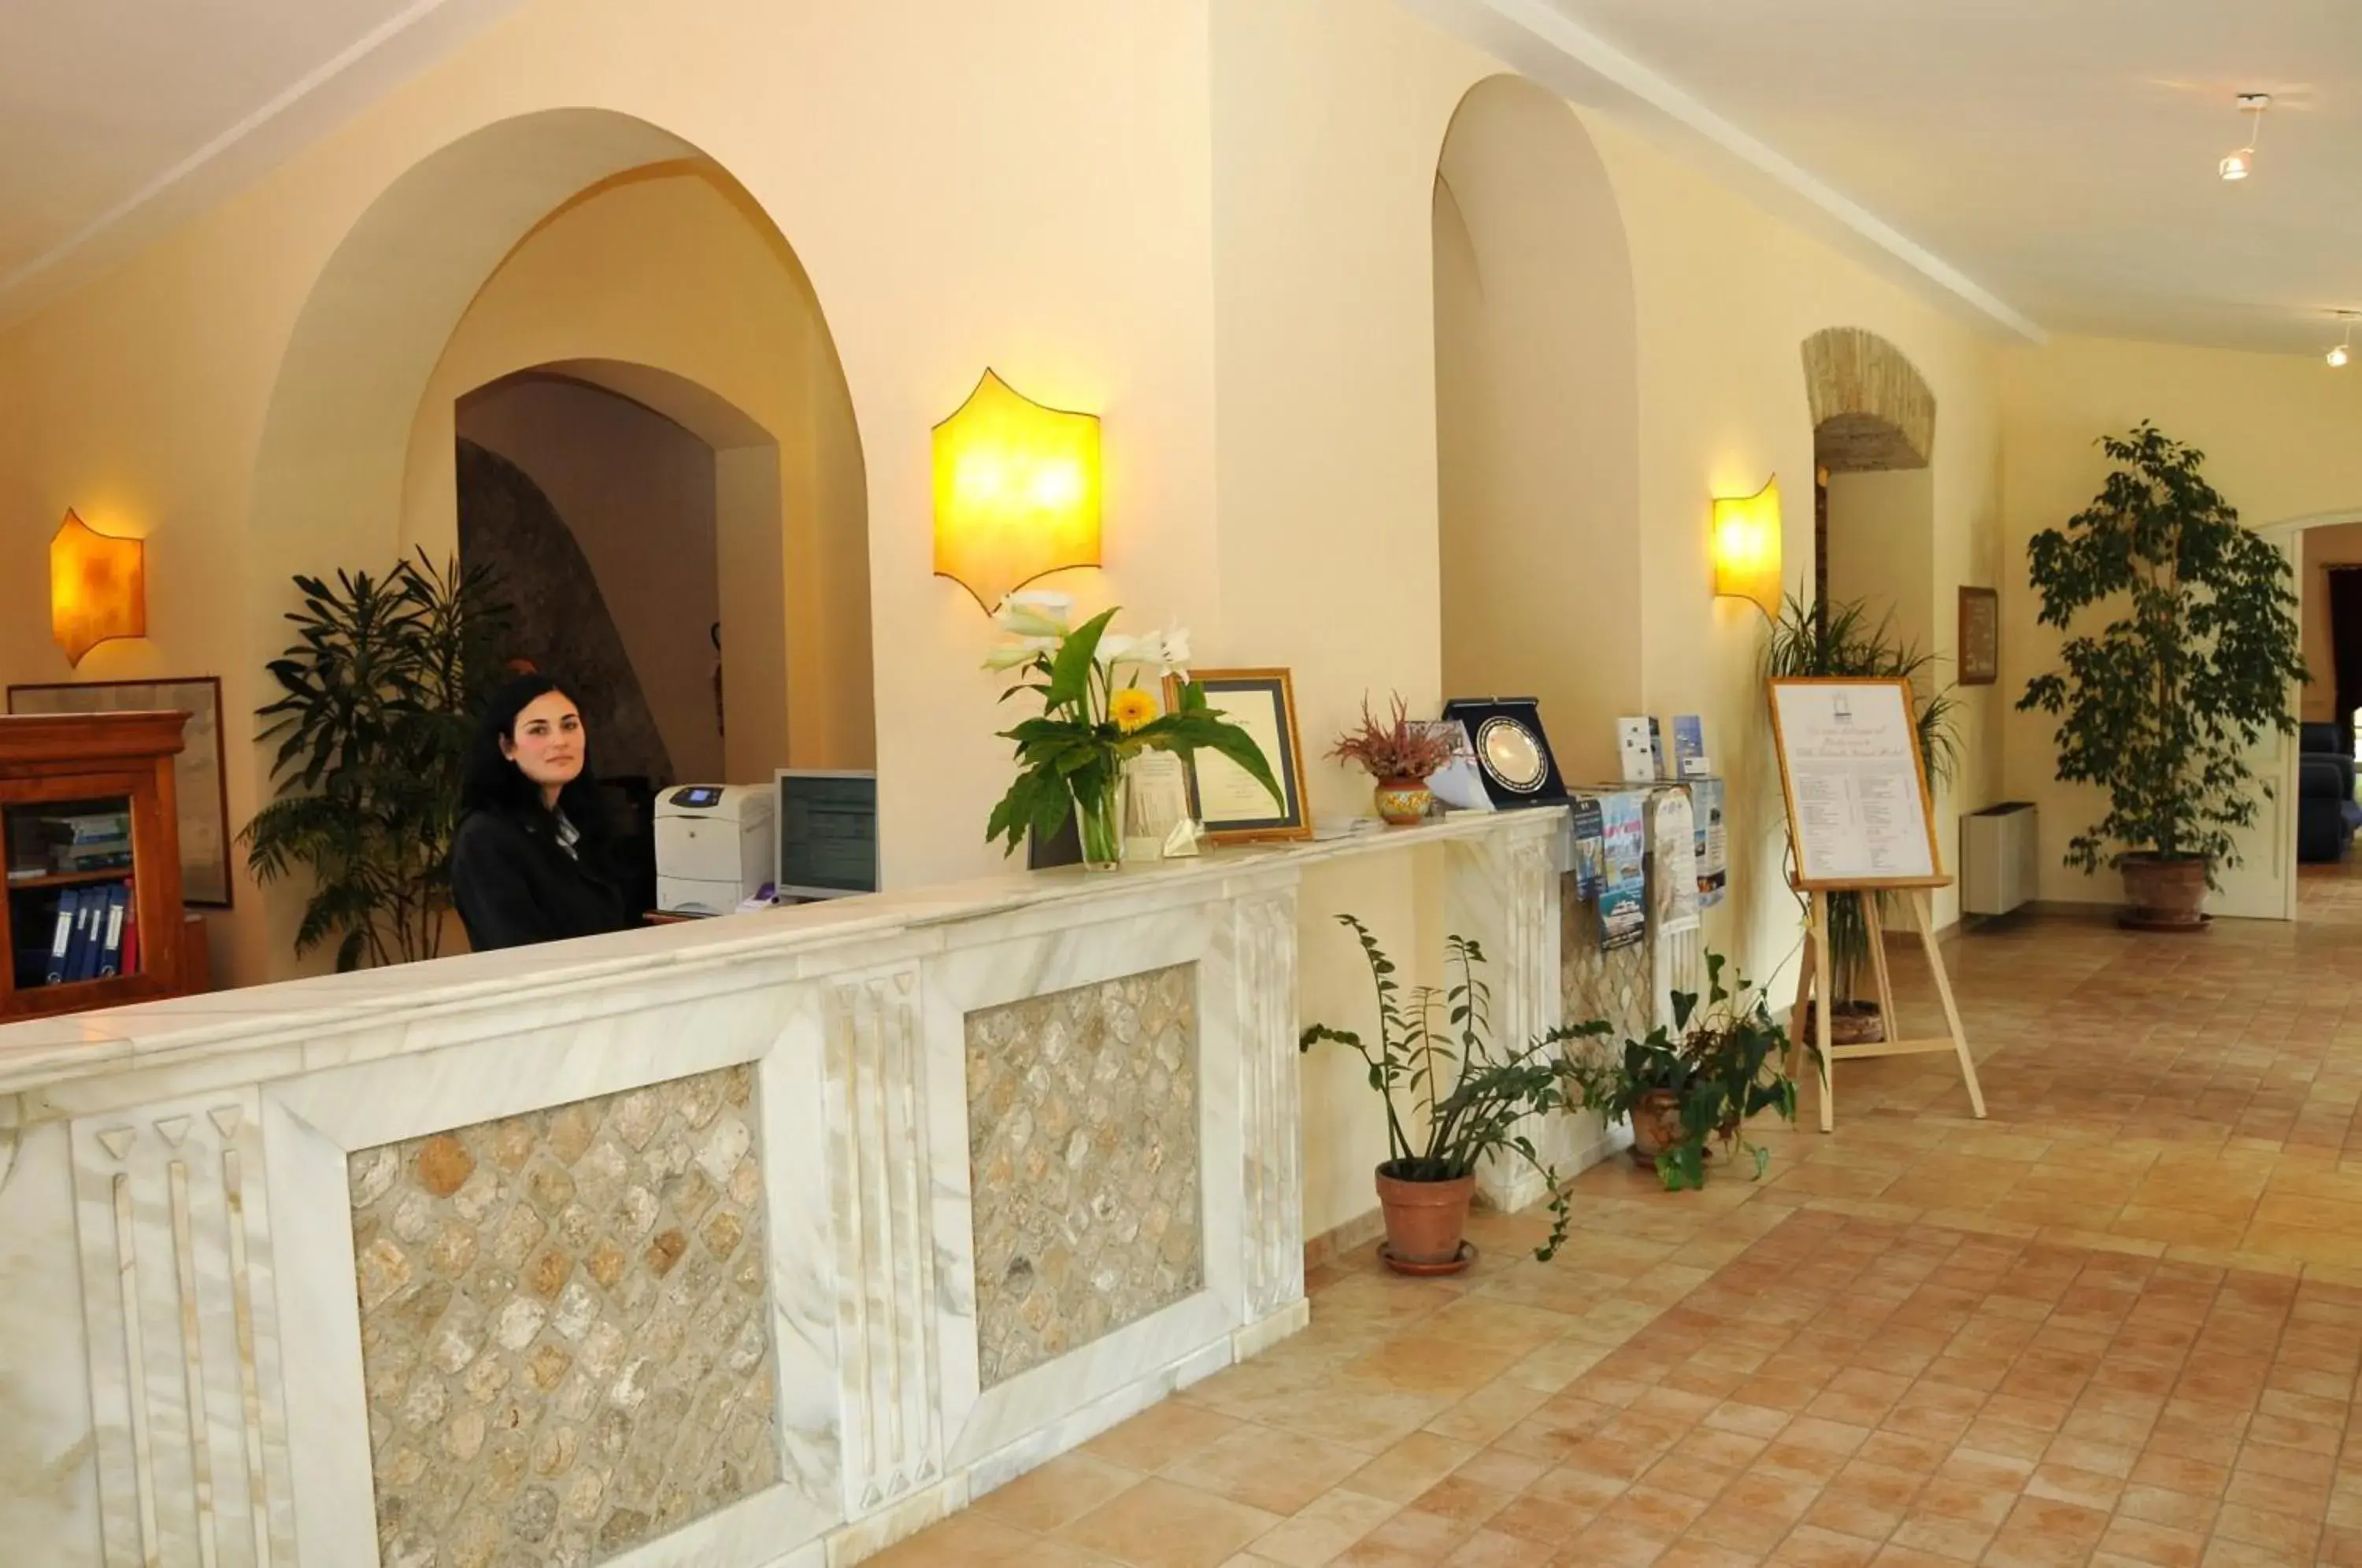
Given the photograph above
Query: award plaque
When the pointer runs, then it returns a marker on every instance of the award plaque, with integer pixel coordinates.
(1512, 753)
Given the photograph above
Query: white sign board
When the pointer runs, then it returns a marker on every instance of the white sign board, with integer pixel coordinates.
(1857, 790)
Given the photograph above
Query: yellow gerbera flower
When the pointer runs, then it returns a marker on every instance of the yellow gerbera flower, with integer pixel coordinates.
(1130, 708)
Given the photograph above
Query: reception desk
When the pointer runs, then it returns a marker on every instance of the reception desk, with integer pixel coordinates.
(763, 1240)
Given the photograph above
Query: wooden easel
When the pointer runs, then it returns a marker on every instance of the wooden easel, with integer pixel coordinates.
(1818, 962)
(1857, 737)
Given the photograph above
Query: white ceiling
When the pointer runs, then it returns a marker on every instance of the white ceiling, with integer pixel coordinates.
(2043, 164)
(2059, 153)
(120, 118)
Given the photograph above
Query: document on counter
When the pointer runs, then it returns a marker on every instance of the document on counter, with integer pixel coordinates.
(1857, 797)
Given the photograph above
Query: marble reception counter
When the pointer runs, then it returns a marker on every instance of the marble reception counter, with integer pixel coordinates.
(764, 1240)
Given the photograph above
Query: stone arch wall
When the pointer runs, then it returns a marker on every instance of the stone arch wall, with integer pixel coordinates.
(1872, 409)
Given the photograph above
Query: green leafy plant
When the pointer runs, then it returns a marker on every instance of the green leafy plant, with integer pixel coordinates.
(2161, 705)
(379, 693)
(1719, 1065)
(1843, 639)
(1452, 1094)
(1092, 722)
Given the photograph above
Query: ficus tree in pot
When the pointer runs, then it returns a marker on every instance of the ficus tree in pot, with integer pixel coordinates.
(2161, 703)
(1452, 1096)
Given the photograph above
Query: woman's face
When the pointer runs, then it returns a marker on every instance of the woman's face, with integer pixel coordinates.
(546, 742)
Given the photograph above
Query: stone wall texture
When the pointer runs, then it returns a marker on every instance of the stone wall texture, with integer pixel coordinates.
(565, 1326)
(1872, 409)
(1083, 1148)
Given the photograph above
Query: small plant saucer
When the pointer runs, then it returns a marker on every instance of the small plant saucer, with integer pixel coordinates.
(1461, 1264)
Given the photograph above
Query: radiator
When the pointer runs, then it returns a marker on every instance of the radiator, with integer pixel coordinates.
(2000, 858)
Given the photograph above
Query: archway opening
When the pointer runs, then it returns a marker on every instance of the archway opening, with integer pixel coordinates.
(1537, 420)
(585, 258)
(1874, 496)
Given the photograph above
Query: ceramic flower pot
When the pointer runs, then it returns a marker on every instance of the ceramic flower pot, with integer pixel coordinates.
(2164, 894)
(1853, 1024)
(1403, 803)
(1656, 1126)
(1426, 1221)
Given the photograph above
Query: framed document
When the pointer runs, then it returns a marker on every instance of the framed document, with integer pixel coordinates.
(205, 879)
(1979, 636)
(1859, 809)
(1226, 797)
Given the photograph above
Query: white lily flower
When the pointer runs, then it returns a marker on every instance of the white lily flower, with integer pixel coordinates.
(1008, 656)
(1116, 649)
(1177, 651)
(1036, 612)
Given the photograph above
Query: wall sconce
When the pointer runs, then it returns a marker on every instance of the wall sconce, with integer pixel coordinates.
(1747, 546)
(1017, 491)
(98, 588)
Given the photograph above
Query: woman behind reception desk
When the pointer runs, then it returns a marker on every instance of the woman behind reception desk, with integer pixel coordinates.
(530, 861)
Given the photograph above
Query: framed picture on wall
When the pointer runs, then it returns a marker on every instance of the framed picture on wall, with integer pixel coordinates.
(1979, 636)
(206, 880)
(1224, 796)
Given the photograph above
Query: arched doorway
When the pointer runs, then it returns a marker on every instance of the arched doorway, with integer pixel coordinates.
(353, 439)
(1874, 499)
(1537, 419)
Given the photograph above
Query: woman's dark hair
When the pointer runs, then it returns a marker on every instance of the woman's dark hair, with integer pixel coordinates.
(493, 783)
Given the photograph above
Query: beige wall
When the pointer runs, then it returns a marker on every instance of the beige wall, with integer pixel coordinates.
(2279, 434)
(2336, 545)
(1234, 264)
(636, 492)
(1882, 551)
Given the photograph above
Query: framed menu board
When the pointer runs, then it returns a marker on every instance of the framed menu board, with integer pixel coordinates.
(1859, 809)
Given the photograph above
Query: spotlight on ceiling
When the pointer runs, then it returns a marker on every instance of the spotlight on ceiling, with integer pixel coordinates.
(2241, 163)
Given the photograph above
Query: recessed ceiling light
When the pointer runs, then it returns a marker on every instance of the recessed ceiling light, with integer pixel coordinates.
(2241, 163)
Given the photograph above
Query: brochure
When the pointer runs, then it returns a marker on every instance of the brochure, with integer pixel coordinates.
(1624, 885)
(1633, 745)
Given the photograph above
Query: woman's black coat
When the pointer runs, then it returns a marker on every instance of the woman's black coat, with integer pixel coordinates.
(515, 886)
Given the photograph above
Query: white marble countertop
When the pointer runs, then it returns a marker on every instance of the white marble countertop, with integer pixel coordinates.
(51, 1051)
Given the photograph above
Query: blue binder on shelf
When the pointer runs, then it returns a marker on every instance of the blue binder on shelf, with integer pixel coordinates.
(61, 938)
(110, 947)
(82, 962)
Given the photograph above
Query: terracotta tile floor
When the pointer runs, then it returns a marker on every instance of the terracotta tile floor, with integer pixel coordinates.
(2119, 1323)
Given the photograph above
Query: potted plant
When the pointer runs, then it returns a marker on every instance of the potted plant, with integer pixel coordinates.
(1841, 639)
(1093, 721)
(1696, 1083)
(1452, 1097)
(381, 693)
(2161, 705)
(1399, 757)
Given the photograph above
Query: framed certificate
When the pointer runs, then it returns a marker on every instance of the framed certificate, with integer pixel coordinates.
(1859, 809)
(1979, 636)
(1224, 796)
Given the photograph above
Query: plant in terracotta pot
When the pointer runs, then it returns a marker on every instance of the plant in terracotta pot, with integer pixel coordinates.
(1841, 637)
(1696, 1085)
(1399, 756)
(2161, 705)
(1452, 1096)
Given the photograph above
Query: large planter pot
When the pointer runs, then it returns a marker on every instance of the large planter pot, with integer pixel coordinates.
(1656, 1126)
(1403, 803)
(1426, 1221)
(2164, 893)
(1853, 1024)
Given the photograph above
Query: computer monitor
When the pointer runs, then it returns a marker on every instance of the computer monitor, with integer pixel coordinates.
(827, 833)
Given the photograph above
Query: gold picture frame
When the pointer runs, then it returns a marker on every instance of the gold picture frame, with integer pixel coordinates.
(1222, 795)
(1979, 636)
(1875, 694)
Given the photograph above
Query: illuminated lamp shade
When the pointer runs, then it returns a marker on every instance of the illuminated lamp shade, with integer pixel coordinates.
(1017, 491)
(1747, 546)
(98, 588)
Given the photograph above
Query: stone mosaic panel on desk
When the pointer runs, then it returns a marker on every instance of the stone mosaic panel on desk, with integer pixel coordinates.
(565, 1326)
(1083, 1149)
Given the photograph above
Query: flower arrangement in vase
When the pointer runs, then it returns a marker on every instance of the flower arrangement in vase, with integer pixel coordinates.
(1093, 719)
(1399, 757)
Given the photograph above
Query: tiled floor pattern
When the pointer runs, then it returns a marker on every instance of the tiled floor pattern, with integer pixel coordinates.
(2119, 1323)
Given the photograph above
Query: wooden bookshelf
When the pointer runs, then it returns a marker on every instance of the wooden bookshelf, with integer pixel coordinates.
(90, 763)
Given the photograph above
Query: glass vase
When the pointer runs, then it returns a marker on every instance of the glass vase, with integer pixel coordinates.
(1099, 824)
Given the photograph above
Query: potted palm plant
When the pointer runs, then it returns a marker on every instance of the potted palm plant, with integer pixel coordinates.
(1399, 757)
(1452, 1096)
(2160, 705)
(1844, 640)
(1696, 1085)
(1093, 721)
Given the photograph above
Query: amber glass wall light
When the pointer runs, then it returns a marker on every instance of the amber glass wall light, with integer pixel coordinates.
(1747, 546)
(1017, 491)
(98, 588)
